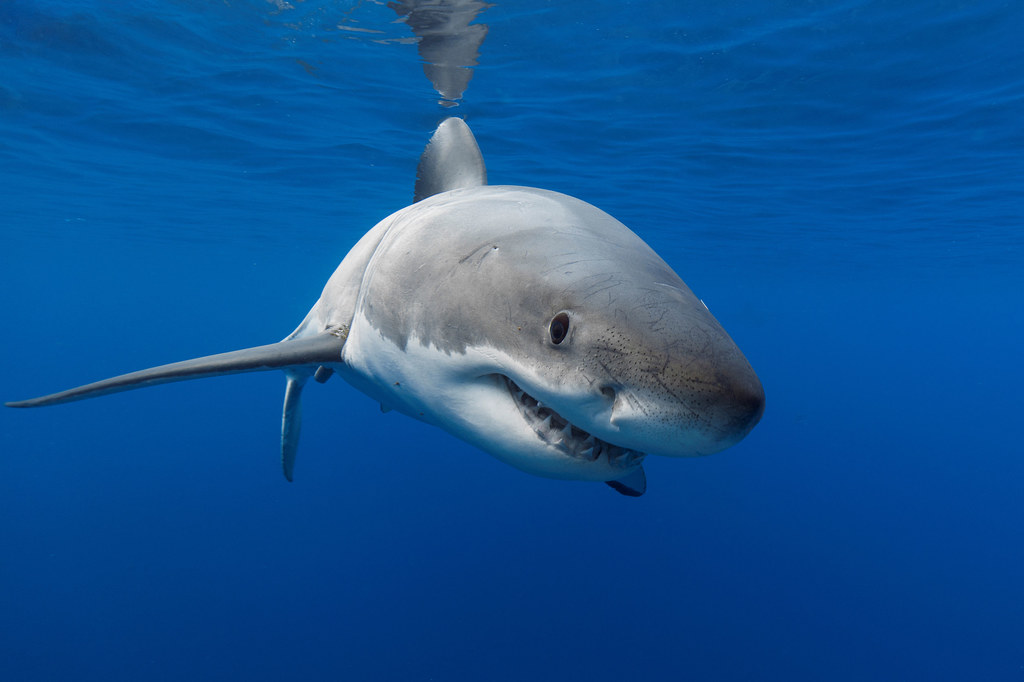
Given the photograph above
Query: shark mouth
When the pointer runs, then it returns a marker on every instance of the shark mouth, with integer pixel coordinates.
(556, 430)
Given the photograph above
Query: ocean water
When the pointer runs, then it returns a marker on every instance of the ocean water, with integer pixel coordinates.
(841, 182)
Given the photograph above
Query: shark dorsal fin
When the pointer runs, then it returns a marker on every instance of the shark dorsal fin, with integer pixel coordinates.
(452, 160)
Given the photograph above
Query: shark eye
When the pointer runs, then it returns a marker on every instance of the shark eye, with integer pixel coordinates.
(559, 327)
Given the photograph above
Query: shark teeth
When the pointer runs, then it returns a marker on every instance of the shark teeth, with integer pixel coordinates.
(555, 430)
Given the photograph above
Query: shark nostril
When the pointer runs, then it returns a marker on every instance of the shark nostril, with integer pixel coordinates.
(608, 392)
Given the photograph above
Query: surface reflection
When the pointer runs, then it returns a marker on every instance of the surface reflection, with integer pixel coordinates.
(449, 43)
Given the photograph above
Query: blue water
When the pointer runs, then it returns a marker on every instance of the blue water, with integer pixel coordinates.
(841, 182)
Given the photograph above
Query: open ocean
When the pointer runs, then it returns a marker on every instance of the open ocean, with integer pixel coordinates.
(841, 182)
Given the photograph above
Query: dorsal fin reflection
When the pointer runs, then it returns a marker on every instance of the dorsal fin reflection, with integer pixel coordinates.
(449, 43)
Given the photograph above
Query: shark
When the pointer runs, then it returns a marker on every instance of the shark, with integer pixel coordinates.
(523, 321)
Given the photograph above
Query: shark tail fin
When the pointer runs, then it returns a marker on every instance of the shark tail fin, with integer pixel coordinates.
(452, 160)
(291, 417)
(291, 421)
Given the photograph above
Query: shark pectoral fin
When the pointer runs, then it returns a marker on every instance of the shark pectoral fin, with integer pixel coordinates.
(309, 352)
(452, 160)
(633, 484)
(291, 420)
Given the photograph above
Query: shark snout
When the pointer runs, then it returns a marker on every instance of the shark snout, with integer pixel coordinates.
(741, 402)
(692, 408)
(722, 400)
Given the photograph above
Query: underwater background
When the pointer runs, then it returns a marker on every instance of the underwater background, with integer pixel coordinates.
(841, 182)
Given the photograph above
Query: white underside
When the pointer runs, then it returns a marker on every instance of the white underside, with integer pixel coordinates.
(462, 394)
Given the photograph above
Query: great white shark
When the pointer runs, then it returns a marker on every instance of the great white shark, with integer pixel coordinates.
(526, 322)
